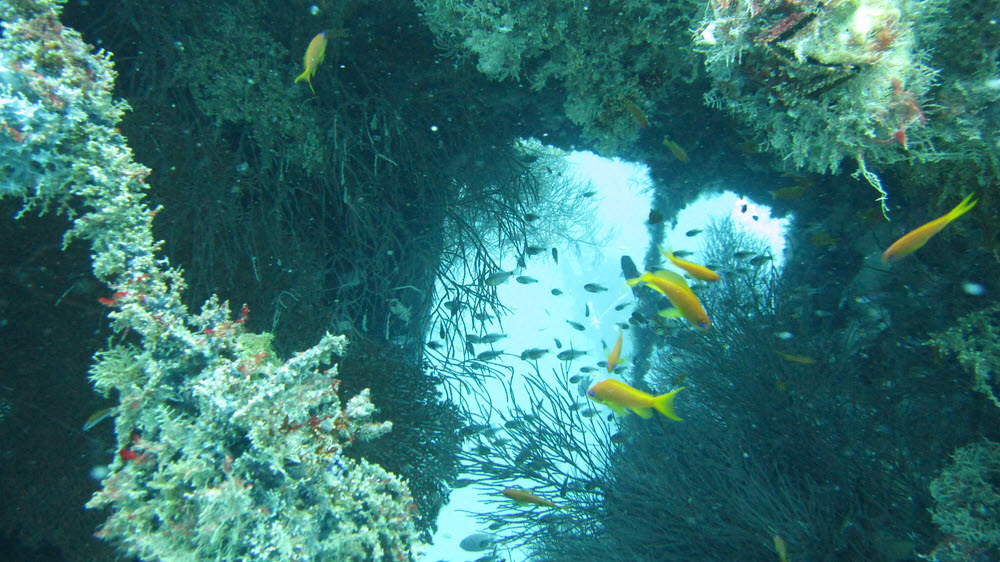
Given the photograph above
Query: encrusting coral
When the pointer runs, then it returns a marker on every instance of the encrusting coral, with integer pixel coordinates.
(224, 452)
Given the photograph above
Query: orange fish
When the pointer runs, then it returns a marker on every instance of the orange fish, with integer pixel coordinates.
(697, 271)
(675, 288)
(524, 497)
(621, 398)
(315, 54)
(616, 353)
(916, 238)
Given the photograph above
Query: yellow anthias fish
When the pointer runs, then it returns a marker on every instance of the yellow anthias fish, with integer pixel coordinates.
(675, 149)
(801, 359)
(699, 272)
(621, 398)
(616, 353)
(673, 286)
(524, 497)
(916, 238)
(781, 548)
(314, 56)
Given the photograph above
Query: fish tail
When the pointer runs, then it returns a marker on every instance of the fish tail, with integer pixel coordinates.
(664, 404)
(962, 207)
(303, 76)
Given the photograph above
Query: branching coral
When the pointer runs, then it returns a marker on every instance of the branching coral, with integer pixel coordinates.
(968, 500)
(975, 341)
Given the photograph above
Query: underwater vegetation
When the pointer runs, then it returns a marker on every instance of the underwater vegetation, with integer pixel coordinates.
(792, 439)
(828, 408)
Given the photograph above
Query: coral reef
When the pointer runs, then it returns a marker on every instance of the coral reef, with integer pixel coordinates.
(974, 342)
(967, 502)
(615, 61)
(224, 451)
(823, 81)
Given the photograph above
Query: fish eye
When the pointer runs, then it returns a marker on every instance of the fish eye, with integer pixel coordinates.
(590, 393)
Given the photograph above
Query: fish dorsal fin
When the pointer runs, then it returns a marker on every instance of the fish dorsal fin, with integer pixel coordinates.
(672, 277)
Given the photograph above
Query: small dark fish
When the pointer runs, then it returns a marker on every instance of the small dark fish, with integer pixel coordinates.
(622, 306)
(655, 217)
(495, 526)
(434, 344)
(629, 270)
(533, 354)
(588, 413)
(477, 542)
(489, 355)
(575, 379)
(755, 217)
(760, 260)
(526, 280)
(497, 278)
(683, 253)
(469, 349)
(576, 325)
(587, 369)
(524, 455)
(534, 250)
(586, 310)
(471, 429)
(514, 424)
(693, 232)
(531, 217)
(555, 255)
(570, 354)
(576, 406)
(618, 438)
(637, 318)
(492, 338)
(453, 305)
(521, 263)
(743, 255)
(594, 288)
(589, 193)
(441, 332)
(558, 343)
(481, 316)
(743, 209)
(481, 450)
(463, 482)
(556, 292)
(473, 338)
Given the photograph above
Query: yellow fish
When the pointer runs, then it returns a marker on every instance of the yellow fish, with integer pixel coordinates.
(314, 56)
(616, 353)
(621, 398)
(675, 149)
(915, 239)
(673, 286)
(781, 548)
(524, 497)
(699, 272)
(801, 359)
